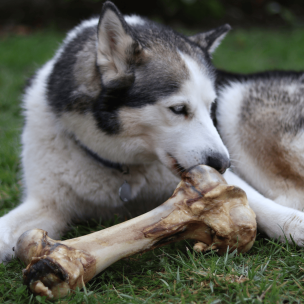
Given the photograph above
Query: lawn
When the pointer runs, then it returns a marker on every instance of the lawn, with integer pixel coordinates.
(270, 273)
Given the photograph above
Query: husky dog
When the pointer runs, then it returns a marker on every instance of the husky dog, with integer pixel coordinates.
(124, 107)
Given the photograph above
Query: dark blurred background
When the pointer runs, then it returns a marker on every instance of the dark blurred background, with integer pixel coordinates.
(24, 15)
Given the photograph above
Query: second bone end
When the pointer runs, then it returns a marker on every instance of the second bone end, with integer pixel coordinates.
(209, 211)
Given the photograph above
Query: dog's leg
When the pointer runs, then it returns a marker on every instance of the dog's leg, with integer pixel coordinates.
(273, 219)
(30, 214)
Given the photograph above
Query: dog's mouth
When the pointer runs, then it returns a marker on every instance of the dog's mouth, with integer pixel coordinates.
(175, 166)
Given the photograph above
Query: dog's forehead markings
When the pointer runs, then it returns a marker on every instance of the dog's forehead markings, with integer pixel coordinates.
(134, 20)
(199, 87)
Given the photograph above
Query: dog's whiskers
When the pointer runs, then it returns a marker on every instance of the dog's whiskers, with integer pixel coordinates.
(236, 161)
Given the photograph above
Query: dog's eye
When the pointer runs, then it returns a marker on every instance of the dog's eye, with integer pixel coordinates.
(179, 110)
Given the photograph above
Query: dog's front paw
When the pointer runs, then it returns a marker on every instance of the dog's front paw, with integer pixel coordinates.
(6, 252)
(293, 228)
(290, 228)
(7, 242)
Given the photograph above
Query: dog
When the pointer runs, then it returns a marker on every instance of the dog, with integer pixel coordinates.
(124, 107)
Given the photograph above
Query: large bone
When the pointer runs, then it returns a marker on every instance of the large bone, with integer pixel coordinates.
(203, 207)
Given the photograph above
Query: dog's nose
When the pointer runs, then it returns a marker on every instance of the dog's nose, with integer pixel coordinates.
(218, 161)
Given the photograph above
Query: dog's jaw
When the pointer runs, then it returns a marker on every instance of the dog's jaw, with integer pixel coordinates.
(175, 166)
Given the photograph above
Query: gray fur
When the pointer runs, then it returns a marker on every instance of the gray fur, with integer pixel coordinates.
(269, 120)
(273, 100)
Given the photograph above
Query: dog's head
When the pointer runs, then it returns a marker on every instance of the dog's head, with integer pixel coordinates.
(157, 88)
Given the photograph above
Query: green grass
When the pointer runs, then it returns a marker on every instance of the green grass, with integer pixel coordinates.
(269, 273)
(19, 58)
(257, 50)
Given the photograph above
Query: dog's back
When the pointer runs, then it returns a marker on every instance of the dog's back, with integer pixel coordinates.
(261, 118)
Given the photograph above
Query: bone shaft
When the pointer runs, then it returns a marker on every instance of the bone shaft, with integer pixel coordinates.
(114, 243)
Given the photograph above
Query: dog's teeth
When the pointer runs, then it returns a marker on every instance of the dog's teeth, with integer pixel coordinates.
(203, 207)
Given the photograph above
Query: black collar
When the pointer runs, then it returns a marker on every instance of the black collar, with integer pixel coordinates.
(107, 163)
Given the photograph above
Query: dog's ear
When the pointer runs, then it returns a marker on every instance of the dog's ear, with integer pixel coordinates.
(210, 40)
(117, 48)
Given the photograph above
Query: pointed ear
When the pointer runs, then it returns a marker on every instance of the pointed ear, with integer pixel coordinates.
(116, 47)
(210, 40)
